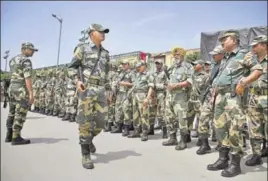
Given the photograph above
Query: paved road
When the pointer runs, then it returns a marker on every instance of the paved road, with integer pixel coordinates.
(54, 155)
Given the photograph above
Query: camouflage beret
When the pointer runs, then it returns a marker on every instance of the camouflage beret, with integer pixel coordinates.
(158, 61)
(229, 33)
(97, 27)
(125, 61)
(138, 64)
(28, 45)
(259, 39)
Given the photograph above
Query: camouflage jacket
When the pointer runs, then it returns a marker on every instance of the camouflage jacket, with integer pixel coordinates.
(59, 86)
(142, 82)
(199, 83)
(37, 86)
(158, 80)
(86, 55)
(20, 68)
(262, 82)
(125, 77)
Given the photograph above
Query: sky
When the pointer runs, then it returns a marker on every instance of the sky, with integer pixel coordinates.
(134, 26)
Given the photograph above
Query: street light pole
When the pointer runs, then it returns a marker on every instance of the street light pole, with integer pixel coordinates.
(60, 20)
(5, 57)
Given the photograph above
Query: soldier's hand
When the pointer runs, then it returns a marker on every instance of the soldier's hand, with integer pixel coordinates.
(31, 99)
(146, 102)
(171, 86)
(240, 89)
(80, 86)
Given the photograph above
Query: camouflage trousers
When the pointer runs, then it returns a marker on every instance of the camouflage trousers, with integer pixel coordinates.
(18, 108)
(158, 110)
(204, 119)
(37, 99)
(57, 102)
(42, 100)
(111, 107)
(119, 115)
(257, 122)
(176, 112)
(141, 114)
(70, 102)
(62, 103)
(194, 106)
(127, 111)
(49, 101)
(92, 113)
(229, 118)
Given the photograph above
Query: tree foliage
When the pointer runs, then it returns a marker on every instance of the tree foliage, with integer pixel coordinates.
(192, 56)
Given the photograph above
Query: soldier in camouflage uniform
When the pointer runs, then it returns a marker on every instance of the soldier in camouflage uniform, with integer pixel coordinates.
(93, 107)
(20, 93)
(63, 96)
(113, 75)
(229, 116)
(50, 83)
(58, 93)
(70, 111)
(177, 99)
(122, 105)
(207, 108)
(257, 108)
(207, 67)
(158, 81)
(199, 83)
(42, 96)
(37, 87)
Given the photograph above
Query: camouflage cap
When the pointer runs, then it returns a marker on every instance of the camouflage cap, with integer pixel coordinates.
(28, 45)
(125, 61)
(199, 61)
(138, 64)
(229, 33)
(97, 27)
(208, 62)
(217, 50)
(259, 39)
(158, 61)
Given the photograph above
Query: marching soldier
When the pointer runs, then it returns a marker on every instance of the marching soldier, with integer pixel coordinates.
(20, 93)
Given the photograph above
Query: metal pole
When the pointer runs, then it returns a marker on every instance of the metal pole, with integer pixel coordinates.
(59, 44)
(5, 57)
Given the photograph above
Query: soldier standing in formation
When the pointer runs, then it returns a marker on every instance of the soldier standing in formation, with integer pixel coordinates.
(20, 93)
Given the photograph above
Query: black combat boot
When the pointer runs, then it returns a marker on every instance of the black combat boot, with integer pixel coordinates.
(164, 132)
(199, 142)
(61, 115)
(151, 130)
(131, 127)
(46, 112)
(55, 113)
(254, 160)
(72, 118)
(204, 148)
(86, 159)
(108, 127)
(182, 143)
(66, 117)
(118, 128)
(218, 146)
(20, 141)
(233, 168)
(135, 134)
(9, 135)
(172, 140)
(188, 137)
(126, 130)
(50, 113)
(213, 137)
(222, 161)
(144, 136)
(92, 148)
(264, 151)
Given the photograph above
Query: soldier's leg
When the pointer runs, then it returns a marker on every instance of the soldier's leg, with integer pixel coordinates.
(127, 116)
(180, 109)
(19, 119)
(255, 121)
(136, 119)
(72, 109)
(119, 116)
(171, 121)
(220, 122)
(161, 113)
(152, 111)
(265, 144)
(67, 109)
(203, 128)
(10, 120)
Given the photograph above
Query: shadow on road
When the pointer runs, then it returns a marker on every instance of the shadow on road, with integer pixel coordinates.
(32, 117)
(247, 169)
(111, 156)
(47, 140)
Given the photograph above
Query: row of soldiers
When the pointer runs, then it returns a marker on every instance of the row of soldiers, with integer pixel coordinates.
(55, 94)
(228, 101)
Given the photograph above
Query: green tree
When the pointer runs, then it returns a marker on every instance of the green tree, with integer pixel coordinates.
(192, 56)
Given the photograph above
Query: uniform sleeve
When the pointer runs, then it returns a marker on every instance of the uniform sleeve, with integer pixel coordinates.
(151, 82)
(27, 69)
(107, 69)
(250, 62)
(189, 74)
(77, 57)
